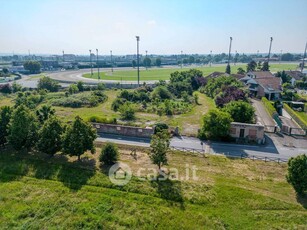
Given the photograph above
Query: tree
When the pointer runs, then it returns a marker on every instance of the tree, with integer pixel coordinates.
(78, 138)
(240, 71)
(5, 116)
(240, 111)
(147, 62)
(48, 84)
(73, 88)
(32, 66)
(101, 86)
(158, 62)
(161, 92)
(228, 70)
(44, 113)
(109, 154)
(133, 63)
(127, 111)
(229, 93)
(284, 77)
(251, 66)
(5, 70)
(265, 66)
(22, 128)
(159, 146)
(50, 136)
(16, 87)
(216, 124)
(287, 57)
(5, 88)
(80, 86)
(297, 173)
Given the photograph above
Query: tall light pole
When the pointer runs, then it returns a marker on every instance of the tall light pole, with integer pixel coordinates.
(146, 59)
(181, 59)
(270, 49)
(91, 62)
(63, 55)
(97, 64)
(302, 67)
(210, 57)
(229, 50)
(111, 61)
(138, 58)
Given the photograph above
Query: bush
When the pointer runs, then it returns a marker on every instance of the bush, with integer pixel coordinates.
(297, 173)
(48, 84)
(269, 107)
(240, 111)
(160, 127)
(102, 120)
(117, 103)
(109, 154)
(161, 92)
(127, 111)
(6, 88)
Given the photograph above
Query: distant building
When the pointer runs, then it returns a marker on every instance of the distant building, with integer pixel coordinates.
(263, 84)
(295, 76)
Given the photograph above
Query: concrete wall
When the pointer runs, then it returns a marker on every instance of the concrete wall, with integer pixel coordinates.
(252, 132)
(123, 130)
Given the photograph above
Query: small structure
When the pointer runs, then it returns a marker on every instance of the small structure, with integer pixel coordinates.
(247, 132)
(263, 84)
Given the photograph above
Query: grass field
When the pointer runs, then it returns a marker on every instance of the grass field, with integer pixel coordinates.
(39, 192)
(164, 73)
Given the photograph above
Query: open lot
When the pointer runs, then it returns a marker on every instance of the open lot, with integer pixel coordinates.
(42, 192)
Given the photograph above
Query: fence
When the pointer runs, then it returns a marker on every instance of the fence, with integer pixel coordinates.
(242, 156)
(293, 131)
(270, 128)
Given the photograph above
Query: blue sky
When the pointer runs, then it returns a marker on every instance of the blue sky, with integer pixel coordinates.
(165, 26)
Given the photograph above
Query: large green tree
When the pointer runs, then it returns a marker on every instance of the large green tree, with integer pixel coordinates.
(109, 154)
(48, 84)
(251, 66)
(32, 66)
(5, 116)
(22, 128)
(158, 62)
(297, 173)
(147, 62)
(159, 147)
(50, 136)
(78, 138)
(216, 124)
(265, 66)
(240, 111)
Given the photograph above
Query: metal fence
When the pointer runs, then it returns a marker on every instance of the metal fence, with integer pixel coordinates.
(242, 156)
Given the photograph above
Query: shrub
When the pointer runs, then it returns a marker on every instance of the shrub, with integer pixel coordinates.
(48, 84)
(240, 111)
(103, 120)
(297, 173)
(160, 127)
(6, 88)
(117, 103)
(269, 107)
(161, 92)
(127, 111)
(109, 154)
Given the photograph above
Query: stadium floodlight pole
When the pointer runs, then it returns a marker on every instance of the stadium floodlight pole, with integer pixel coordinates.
(146, 60)
(91, 62)
(210, 57)
(63, 55)
(97, 64)
(181, 59)
(302, 67)
(111, 61)
(229, 51)
(138, 58)
(270, 49)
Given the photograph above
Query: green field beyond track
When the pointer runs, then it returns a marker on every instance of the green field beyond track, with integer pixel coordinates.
(164, 73)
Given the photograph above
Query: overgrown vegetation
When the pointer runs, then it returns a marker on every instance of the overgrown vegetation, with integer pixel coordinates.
(268, 106)
(299, 117)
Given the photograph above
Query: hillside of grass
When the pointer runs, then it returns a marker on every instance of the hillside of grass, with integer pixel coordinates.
(39, 192)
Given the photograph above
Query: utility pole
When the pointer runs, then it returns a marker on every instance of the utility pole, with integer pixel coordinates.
(63, 55)
(270, 49)
(302, 67)
(91, 62)
(210, 58)
(111, 61)
(146, 60)
(181, 59)
(97, 64)
(138, 58)
(229, 50)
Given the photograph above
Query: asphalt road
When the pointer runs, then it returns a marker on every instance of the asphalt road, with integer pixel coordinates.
(268, 150)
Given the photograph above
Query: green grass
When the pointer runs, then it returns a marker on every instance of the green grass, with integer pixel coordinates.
(38, 192)
(299, 117)
(164, 73)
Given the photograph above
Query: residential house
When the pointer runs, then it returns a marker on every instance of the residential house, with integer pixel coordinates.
(263, 84)
(295, 76)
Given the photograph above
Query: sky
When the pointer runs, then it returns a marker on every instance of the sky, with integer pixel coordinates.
(164, 26)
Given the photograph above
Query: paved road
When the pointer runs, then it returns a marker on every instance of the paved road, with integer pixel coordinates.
(269, 150)
(261, 114)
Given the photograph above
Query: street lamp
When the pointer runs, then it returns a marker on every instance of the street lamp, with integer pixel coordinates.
(97, 64)
(91, 62)
(138, 58)
(229, 50)
(270, 49)
(181, 59)
(111, 61)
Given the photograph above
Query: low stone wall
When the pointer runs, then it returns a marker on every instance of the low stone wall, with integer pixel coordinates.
(123, 130)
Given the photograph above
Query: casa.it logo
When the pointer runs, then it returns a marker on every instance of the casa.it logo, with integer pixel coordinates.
(120, 174)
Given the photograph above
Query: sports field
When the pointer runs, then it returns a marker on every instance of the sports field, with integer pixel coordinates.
(164, 73)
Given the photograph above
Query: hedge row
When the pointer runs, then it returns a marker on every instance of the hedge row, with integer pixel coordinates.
(296, 117)
(269, 107)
